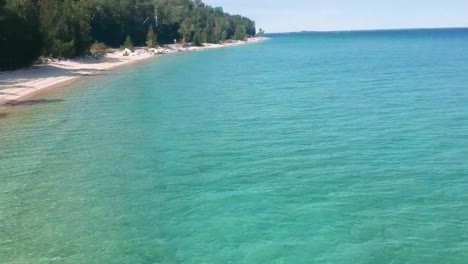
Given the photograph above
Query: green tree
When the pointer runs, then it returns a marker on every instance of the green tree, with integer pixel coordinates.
(198, 38)
(260, 33)
(128, 44)
(151, 38)
(240, 33)
(187, 29)
(20, 37)
(65, 27)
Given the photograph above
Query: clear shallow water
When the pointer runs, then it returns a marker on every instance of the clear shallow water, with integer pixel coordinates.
(324, 148)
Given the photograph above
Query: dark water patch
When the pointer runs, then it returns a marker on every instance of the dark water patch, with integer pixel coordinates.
(3, 115)
(33, 102)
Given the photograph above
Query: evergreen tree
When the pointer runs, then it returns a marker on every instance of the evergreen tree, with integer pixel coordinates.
(151, 38)
(128, 44)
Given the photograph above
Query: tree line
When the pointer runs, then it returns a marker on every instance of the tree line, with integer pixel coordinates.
(67, 28)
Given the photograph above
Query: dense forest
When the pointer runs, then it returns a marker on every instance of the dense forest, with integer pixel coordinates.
(67, 28)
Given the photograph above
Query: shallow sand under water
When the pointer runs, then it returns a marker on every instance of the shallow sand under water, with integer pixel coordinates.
(23, 84)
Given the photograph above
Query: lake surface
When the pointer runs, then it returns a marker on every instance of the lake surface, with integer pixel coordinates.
(346, 147)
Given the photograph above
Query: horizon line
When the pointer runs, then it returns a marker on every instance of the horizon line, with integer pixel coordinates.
(364, 30)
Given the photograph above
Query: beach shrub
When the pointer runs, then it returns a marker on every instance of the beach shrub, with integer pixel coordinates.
(98, 49)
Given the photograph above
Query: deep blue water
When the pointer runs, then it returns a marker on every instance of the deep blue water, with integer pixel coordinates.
(346, 147)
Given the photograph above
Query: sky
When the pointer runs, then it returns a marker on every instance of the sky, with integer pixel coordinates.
(329, 15)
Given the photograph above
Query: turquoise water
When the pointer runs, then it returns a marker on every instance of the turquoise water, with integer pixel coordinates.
(307, 148)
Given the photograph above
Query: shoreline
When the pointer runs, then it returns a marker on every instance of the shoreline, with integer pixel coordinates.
(19, 85)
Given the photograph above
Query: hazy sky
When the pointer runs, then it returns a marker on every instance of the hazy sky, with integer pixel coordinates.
(297, 15)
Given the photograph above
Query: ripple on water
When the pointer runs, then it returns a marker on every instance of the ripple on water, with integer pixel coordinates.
(298, 149)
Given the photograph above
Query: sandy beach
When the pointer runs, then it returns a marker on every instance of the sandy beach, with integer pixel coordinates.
(18, 85)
